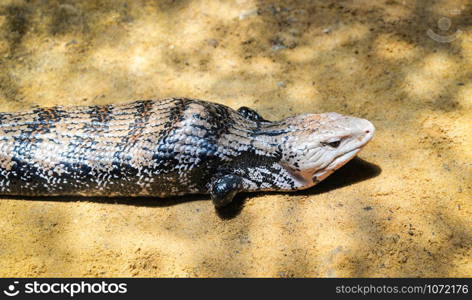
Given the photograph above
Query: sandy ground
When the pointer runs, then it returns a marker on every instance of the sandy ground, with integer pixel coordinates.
(402, 209)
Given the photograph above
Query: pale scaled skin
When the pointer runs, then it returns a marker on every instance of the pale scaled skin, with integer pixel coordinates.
(317, 145)
(169, 147)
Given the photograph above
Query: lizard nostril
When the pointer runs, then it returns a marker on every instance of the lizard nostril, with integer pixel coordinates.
(367, 131)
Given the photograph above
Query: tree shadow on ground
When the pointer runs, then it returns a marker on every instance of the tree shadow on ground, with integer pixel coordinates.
(281, 29)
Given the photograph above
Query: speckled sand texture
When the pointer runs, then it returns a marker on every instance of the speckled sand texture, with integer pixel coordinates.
(403, 209)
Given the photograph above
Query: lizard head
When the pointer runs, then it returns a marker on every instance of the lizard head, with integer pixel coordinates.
(316, 145)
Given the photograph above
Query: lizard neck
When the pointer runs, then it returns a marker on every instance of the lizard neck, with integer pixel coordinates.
(258, 159)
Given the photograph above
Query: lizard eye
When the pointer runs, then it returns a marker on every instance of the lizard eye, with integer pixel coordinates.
(334, 144)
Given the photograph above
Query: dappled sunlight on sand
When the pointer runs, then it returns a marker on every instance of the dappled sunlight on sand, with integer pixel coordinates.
(404, 210)
(395, 49)
(429, 78)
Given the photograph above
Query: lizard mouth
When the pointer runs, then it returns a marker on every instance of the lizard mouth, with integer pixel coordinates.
(337, 163)
(341, 160)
